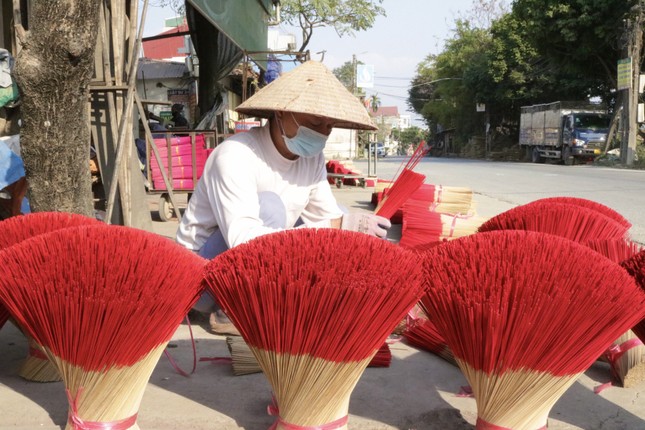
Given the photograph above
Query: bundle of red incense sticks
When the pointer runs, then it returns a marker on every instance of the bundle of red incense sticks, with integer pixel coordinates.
(312, 316)
(589, 204)
(574, 222)
(36, 366)
(626, 356)
(102, 301)
(522, 334)
(404, 185)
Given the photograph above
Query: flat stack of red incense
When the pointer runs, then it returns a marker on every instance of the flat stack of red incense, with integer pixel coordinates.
(423, 224)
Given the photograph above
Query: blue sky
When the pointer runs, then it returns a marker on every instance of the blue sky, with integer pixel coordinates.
(395, 45)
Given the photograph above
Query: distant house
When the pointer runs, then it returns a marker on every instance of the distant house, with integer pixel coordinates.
(388, 115)
(386, 118)
(168, 82)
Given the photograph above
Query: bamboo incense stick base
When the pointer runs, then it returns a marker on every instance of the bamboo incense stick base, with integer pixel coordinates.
(518, 400)
(310, 391)
(38, 370)
(110, 395)
(243, 360)
(627, 360)
(37, 367)
(634, 376)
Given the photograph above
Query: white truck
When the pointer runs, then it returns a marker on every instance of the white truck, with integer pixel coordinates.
(566, 131)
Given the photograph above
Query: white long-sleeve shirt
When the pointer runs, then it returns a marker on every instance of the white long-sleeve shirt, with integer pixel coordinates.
(226, 196)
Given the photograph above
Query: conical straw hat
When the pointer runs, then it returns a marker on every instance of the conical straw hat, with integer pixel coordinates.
(310, 88)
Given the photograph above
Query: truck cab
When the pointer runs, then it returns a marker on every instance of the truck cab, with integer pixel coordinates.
(584, 135)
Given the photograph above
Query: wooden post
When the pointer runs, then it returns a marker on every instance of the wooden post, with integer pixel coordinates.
(155, 151)
(122, 144)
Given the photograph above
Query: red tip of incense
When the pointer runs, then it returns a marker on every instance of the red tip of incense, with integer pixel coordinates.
(635, 266)
(17, 229)
(404, 186)
(589, 204)
(325, 293)
(512, 300)
(99, 296)
(420, 224)
(617, 249)
(576, 223)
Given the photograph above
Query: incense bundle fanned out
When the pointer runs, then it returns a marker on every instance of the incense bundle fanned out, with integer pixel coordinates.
(626, 356)
(589, 204)
(16, 229)
(404, 185)
(506, 319)
(574, 222)
(635, 266)
(36, 366)
(312, 316)
(102, 301)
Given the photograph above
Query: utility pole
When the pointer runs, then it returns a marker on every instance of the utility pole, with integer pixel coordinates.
(630, 99)
(354, 74)
(354, 133)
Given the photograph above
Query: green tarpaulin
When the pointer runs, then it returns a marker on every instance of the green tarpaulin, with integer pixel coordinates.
(242, 21)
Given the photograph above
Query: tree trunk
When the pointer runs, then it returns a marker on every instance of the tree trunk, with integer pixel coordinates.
(53, 71)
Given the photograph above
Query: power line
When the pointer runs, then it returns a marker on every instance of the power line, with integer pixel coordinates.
(392, 86)
(391, 77)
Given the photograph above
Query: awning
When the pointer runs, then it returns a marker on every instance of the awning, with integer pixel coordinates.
(221, 31)
(244, 22)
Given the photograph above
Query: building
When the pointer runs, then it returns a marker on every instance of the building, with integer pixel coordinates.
(386, 116)
(405, 121)
(173, 44)
(166, 82)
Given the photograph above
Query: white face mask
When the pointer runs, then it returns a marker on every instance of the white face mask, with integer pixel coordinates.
(306, 143)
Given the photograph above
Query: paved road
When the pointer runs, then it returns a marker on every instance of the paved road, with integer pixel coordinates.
(500, 185)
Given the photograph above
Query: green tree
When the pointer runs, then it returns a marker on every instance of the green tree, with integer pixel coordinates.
(410, 136)
(375, 102)
(539, 52)
(345, 16)
(347, 76)
(440, 91)
(582, 37)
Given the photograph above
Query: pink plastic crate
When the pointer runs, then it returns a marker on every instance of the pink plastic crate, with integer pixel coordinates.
(177, 184)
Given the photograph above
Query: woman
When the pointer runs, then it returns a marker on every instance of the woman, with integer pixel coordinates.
(274, 177)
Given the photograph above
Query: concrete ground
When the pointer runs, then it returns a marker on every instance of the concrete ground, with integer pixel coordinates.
(417, 392)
